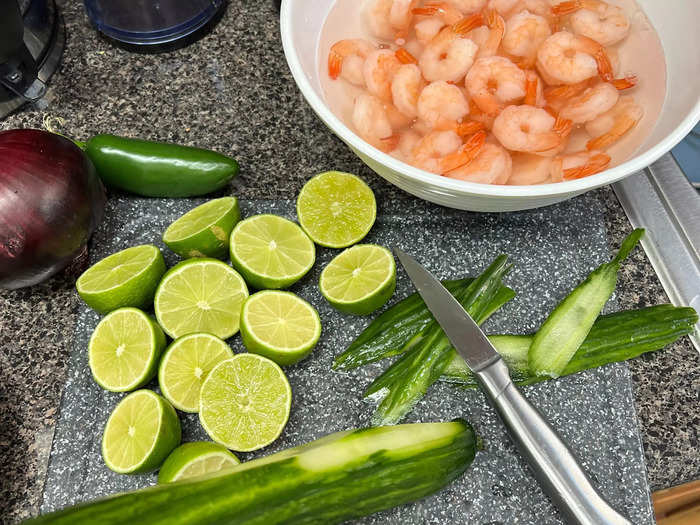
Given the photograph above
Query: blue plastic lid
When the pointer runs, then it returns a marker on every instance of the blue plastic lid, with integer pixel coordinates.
(150, 22)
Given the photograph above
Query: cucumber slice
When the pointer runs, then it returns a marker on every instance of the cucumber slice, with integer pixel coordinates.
(568, 324)
(339, 477)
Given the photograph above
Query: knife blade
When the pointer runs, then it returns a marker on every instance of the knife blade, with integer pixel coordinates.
(552, 462)
(464, 334)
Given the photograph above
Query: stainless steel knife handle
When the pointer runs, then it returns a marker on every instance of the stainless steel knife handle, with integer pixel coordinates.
(553, 464)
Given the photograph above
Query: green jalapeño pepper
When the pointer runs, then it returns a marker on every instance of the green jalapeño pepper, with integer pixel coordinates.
(155, 169)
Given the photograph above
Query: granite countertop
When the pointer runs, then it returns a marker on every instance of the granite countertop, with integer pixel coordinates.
(232, 92)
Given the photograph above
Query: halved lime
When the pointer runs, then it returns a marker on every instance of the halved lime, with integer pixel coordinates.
(245, 402)
(200, 295)
(124, 349)
(271, 251)
(205, 230)
(360, 279)
(336, 209)
(191, 460)
(140, 433)
(125, 278)
(280, 326)
(186, 364)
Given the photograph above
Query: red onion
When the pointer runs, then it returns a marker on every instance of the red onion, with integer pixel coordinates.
(51, 201)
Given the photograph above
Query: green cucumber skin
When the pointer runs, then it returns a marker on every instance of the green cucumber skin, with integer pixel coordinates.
(408, 379)
(279, 489)
(401, 326)
(615, 337)
(386, 334)
(566, 327)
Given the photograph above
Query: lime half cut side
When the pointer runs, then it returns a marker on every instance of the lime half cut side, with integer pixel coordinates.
(140, 433)
(336, 209)
(205, 230)
(271, 251)
(196, 459)
(125, 278)
(200, 295)
(360, 279)
(186, 364)
(280, 326)
(124, 349)
(245, 402)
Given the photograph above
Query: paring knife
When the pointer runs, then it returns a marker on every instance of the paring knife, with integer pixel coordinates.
(553, 464)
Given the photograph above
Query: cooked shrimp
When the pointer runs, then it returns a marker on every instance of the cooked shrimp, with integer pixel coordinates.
(377, 15)
(346, 59)
(578, 165)
(534, 90)
(370, 119)
(447, 57)
(405, 89)
(530, 129)
(495, 82)
(379, 69)
(408, 140)
(609, 127)
(591, 103)
(497, 28)
(428, 28)
(565, 58)
(529, 169)
(606, 24)
(504, 7)
(401, 15)
(468, 7)
(492, 165)
(447, 12)
(442, 105)
(524, 34)
(443, 151)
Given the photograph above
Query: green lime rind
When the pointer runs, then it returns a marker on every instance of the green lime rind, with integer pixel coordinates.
(204, 231)
(199, 458)
(280, 326)
(200, 295)
(245, 402)
(185, 365)
(125, 278)
(142, 430)
(336, 209)
(124, 350)
(271, 252)
(360, 279)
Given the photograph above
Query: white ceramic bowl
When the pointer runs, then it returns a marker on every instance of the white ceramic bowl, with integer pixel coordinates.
(676, 24)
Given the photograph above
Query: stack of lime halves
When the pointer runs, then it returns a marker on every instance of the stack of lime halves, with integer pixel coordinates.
(243, 400)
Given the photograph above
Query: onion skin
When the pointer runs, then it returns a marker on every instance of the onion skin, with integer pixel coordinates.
(51, 202)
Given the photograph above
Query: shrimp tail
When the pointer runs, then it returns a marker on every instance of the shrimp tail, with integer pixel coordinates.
(563, 127)
(335, 64)
(389, 143)
(595, 164)
(622, 125)
(469, 127)
(566, 91)
(530, 91)
(429, 9)
(566, 8)
(465, 154)
(627, 82)
(405, 57)
(524, 63)
(468, 23)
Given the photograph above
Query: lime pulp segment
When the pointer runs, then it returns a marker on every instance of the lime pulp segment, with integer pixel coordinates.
(271, 251)
(245, 402)
(140, 433)
(336, 209)
(360, 279)
(186, 364)
(200, 295)
(124, 349)
(205, 230)
(196, 459)
(280, 326)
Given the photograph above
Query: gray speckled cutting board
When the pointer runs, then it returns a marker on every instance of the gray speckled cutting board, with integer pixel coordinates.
(552, 249)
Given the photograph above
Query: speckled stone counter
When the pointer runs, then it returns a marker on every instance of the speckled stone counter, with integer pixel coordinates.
(232, 92)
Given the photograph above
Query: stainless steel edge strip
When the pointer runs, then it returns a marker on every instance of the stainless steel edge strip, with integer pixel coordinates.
(661, 199)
